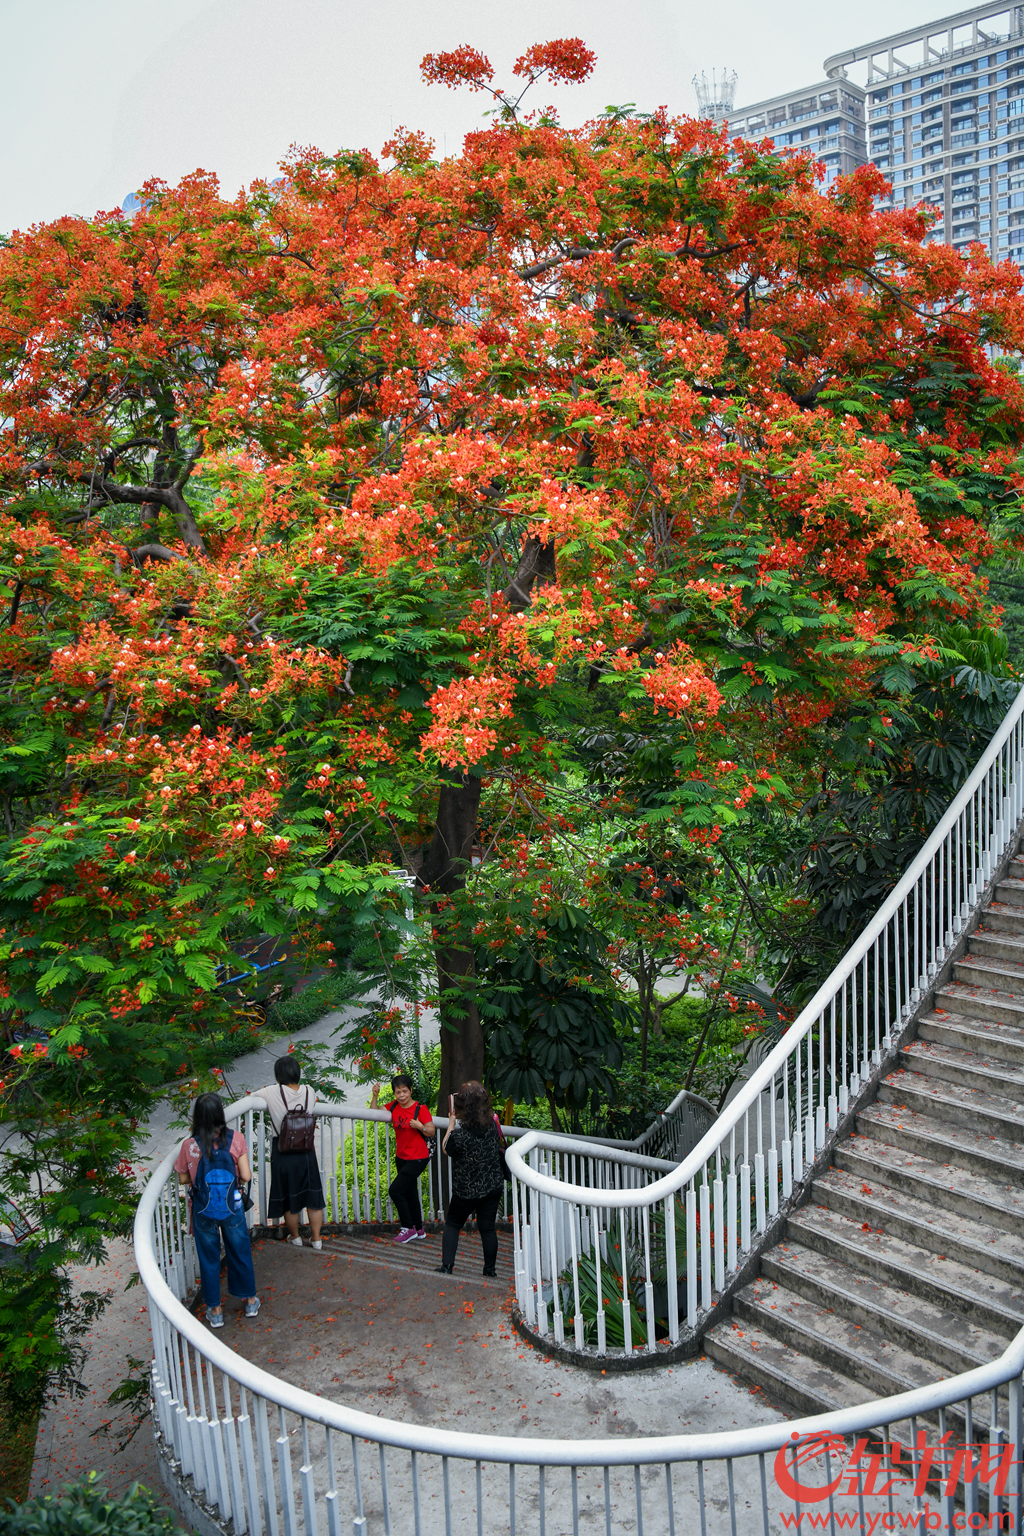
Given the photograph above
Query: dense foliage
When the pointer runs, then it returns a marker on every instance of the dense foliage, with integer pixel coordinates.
(87, 1509)
(589, 525)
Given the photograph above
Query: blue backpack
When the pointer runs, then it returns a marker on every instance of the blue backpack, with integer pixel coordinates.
(215, 1191)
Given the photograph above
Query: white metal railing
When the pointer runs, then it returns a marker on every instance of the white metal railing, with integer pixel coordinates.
(231, 1428)
(601, 1267)
(356, 1155)
(356, 1152)
(231, 1432)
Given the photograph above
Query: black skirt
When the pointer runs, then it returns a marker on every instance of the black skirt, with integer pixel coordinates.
(295, 1183)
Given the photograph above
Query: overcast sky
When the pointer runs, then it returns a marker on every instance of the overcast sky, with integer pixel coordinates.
(99, 94)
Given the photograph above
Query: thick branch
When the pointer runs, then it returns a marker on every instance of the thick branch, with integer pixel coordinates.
(578, 253)
(189, 465)
(536, 564)
(144, 552)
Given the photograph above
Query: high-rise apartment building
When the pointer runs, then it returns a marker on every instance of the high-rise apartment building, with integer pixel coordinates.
(827, 119)
(940, 112)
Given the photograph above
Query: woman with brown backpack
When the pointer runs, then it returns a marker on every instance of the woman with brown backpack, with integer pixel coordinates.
(295, 1183)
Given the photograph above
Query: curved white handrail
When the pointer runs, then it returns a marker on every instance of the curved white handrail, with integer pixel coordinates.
(747, 1096)
(522, 1451)
(732, 1188)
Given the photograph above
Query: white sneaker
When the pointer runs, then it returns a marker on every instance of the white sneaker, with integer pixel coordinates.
(317, 1243)
(296, 1242)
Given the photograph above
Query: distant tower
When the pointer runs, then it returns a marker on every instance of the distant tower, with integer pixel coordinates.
(715, 100)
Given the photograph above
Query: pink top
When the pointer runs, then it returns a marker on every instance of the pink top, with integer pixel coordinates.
(188, 1157)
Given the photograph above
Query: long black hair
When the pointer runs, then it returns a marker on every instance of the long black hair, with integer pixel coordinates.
(209, 1126)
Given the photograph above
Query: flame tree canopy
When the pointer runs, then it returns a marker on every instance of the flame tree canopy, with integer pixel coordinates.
(332, 511)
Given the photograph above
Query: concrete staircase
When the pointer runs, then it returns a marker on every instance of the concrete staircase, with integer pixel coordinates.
(907, 1264)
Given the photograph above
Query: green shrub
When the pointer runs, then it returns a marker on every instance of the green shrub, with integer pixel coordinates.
(611, 1283)
(310, 1005)
(683, 1025)
(87, 1509)
(365, 1142)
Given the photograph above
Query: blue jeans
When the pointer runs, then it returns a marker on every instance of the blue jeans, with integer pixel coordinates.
(241, 1275)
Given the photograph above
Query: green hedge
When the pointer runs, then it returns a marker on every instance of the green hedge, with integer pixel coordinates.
(310, 1005)
(87, 1509)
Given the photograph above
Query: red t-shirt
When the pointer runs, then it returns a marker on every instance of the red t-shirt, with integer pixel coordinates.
(412, 1145)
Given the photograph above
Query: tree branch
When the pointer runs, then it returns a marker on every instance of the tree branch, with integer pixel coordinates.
(536, 564)
(143, 552)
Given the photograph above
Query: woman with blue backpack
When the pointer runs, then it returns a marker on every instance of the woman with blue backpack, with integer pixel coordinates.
(214, 1163)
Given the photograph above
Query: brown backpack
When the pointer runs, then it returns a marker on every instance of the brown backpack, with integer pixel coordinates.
(298, 1128)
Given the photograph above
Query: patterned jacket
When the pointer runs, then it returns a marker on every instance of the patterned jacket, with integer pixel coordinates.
(476, 1161)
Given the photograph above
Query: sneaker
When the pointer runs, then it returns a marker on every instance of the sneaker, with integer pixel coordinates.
(444, 1269)
(215, 1319)
(296, 1242)
(405, 1234)
(317, 1243)
(252, 1308)
(420, 1232)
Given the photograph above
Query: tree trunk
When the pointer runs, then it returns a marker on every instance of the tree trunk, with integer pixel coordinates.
(444, 868)
(444, 871)
(188, 528)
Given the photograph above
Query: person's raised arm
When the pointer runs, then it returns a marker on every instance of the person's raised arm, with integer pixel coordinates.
(451, 1122)
(374, 1096)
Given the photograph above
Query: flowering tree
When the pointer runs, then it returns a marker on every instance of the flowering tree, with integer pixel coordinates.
(330, 511)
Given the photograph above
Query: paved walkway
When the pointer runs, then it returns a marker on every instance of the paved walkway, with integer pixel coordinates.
(372, 1325)
(244, 1076)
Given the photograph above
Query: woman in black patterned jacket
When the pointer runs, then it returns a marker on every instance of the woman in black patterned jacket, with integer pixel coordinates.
(474, 1144)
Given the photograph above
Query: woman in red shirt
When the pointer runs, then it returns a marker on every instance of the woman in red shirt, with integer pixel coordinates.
(413, 1127)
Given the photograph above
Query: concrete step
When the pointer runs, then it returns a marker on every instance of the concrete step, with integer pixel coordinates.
(836, 1343)
(1010, 892)
(985, 1299)
(984, 971)
(932, 1332)
(419, 1257)
(966, 1107)
(981, 1003)
(1003, 918)
(948, 1186)
(970, 1242)
(982, 1037)
(997, 944)
(802, 1382)
(952, 1064)
(974, 1150)
(798, 1381)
